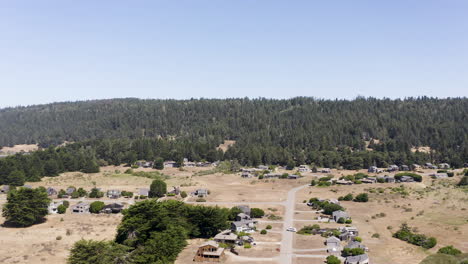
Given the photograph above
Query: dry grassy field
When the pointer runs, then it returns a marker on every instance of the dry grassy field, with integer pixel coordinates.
(435, 207)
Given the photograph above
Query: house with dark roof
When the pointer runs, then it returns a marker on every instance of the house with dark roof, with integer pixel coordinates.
(404, 168)
(393, 168)
(113, 208)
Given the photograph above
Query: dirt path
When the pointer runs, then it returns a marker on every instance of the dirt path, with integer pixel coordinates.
(249, 259)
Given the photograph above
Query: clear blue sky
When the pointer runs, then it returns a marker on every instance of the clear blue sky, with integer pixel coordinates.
(75, 50)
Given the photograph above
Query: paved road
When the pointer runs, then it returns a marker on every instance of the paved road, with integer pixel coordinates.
(286, 252)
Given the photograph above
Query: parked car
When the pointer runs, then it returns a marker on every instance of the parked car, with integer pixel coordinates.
(291, 229)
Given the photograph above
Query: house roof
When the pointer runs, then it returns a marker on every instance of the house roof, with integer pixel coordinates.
(332, 239)
(218, 252)
(357, 259)
(226, 235)
(340, 214)
(242, 215)
(143, 191)
(355, 244)
(210, 243)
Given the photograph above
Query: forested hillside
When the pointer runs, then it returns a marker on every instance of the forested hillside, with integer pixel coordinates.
(300, 130)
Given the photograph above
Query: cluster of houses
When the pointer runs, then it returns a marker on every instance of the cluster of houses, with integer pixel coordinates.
(174, 164)
(383, 179)
(211, 250)
(253, 172)
(83, 208)
(414, 167)
(347, 234)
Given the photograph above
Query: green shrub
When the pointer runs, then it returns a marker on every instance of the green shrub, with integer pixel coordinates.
(257, 213)
(183, 194)
(66, 203)
(333, 260)
(247, 245)
(268, 227)
(405, 234)
(263, 232)
(96, 207)
(200, 200)
(362, 198)
(308, 229)
(347, 197)
(415, 176)
(449, 250)
(61, 209)
(352, 252)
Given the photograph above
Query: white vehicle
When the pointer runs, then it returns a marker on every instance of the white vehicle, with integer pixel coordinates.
(291, 229)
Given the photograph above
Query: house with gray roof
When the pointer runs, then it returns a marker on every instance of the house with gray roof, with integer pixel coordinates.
(143, 192)
(226, 236)
(340, 214)
(439, 175)
(359, 259)
(242, 216)
(356, 244)
(70, 190)
(406, 179)
(201, 192)
(444, 166)
(247, 226)
(333, 245)
(244, 209)
(113, 194)
(51, 191)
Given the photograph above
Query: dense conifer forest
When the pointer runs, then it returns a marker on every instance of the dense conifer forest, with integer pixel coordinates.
(328, 133)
